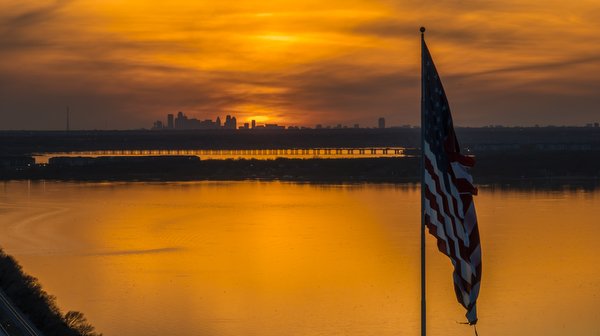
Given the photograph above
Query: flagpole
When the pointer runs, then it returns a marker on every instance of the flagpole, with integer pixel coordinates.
(423, 310)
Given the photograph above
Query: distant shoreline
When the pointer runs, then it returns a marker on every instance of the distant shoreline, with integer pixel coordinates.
(516, 169)
(504, 155)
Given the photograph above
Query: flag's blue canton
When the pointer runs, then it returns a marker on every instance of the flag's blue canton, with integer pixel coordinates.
(436, 112)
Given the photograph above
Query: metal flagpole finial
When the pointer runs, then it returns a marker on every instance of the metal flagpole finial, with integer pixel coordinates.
(422, 30)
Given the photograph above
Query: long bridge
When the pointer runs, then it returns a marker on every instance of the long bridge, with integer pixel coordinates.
(238, 153)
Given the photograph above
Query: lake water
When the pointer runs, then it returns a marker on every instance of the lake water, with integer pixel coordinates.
(272, 259)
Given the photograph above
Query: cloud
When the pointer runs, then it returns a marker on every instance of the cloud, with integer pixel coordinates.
(464, 34)
(546, 66)
(33, 16)
(18, 29)
(347, 94)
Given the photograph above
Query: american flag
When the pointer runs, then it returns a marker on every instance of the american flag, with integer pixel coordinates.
(448, 209)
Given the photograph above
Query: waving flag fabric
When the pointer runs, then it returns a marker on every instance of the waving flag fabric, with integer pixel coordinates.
(449, 212)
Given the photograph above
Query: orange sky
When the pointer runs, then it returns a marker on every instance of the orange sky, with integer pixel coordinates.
(123, 64)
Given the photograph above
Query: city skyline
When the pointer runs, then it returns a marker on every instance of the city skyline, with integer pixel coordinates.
(184, 122)
(120, 64)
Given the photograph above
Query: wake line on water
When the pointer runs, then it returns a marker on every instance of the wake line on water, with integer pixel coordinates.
(137, 252)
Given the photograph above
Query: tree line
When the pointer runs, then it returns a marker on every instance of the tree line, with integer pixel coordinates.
(26, 293)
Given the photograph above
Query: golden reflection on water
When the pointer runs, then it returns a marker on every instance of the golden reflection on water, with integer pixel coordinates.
(269, 258)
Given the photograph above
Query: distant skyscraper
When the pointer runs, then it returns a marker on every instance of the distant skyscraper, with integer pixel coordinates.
(180, 121)
(158, 125)
(218, 122)
(253, 123)
(381, 122)
(246, 125)
(230, 122)
(170, 121)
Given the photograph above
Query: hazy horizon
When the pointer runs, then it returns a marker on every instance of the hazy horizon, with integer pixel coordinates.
(148, 127)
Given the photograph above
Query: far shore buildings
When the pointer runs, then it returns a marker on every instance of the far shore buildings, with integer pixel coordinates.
(183, 122)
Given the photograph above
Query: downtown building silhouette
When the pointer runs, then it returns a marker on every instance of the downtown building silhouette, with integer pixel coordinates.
(182, 122)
